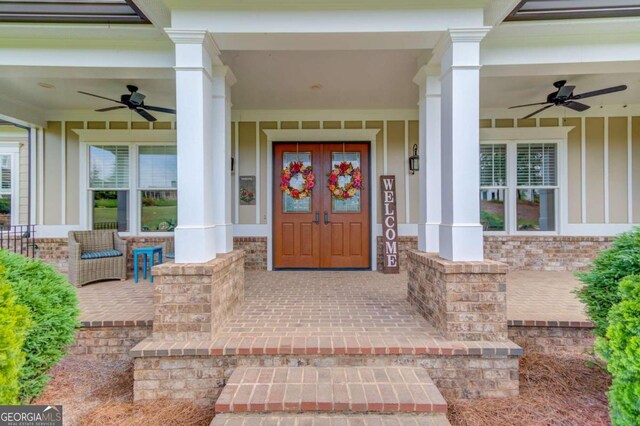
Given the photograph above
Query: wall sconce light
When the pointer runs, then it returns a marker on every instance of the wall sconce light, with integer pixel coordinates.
(414, 160)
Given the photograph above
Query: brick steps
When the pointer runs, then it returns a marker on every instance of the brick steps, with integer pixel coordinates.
(330, 420)
(351, 390)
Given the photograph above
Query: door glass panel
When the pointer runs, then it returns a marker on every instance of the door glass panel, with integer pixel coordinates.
(289, 204)
(352, 204)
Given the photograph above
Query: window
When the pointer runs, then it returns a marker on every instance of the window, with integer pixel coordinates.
(6, 188)
(158, 180)
(518, 186)
(109, 186)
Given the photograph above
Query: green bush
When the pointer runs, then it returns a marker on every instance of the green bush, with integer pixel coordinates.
(621, 350)
(601, 289)
(5, 205)
(14, 323)
(53, 307)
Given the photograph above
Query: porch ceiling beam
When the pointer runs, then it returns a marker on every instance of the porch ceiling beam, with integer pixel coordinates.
(334, 21)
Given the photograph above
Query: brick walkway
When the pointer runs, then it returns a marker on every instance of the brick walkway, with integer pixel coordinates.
(333, 303)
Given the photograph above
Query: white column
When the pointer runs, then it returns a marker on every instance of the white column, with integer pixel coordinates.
(222, 80)
(428, 79)
(195, 235)
(461, 236)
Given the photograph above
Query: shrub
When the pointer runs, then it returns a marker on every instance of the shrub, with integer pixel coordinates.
(53, 307)
(621, 350)
(601, 289)
(14, 323)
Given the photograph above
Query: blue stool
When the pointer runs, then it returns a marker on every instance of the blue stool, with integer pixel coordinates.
(147, 253)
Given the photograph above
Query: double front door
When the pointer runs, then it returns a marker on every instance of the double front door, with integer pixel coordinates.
(321, 230)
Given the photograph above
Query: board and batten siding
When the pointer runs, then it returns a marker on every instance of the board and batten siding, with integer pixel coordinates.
(603, 164)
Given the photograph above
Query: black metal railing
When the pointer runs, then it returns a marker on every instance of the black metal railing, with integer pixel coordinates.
(18, 239)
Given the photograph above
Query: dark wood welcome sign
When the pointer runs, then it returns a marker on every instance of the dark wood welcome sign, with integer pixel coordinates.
(389, 225)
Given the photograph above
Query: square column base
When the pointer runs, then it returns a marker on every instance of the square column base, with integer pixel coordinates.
(461, 242)
(463, 300)
(191, 300)
(224, 238)
(429, 237)
(195, 244)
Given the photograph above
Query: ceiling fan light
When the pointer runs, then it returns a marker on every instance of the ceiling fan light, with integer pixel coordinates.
(136, 98)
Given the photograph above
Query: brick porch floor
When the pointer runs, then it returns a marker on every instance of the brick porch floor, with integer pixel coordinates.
(333, 303)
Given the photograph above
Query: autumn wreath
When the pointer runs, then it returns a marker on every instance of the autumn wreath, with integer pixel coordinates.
(350, 188)
(308, 180)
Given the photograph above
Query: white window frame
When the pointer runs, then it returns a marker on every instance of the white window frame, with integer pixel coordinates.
(133, 139)
(13, 151)
(512, 187)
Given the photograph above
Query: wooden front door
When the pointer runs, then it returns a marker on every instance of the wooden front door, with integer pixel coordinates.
(321, 231)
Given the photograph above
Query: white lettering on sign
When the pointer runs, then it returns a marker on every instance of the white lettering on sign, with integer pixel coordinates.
(389, 225)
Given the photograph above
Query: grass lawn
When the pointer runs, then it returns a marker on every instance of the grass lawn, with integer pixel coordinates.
(151, 216)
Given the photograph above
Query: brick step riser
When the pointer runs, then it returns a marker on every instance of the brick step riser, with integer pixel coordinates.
(324, 419)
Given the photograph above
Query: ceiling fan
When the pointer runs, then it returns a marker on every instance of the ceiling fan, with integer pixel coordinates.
(564, 97)
(134, 101)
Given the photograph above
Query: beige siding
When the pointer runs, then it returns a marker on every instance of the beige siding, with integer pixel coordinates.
(263, 167)
(618, 170)
(233, 173)
(247, 164)
(414, 183)
(595, 169)
(574, 172)
(52, 173)
(331, 125)
(503, 122)
(310, 124)
(396, 165)
(73, 171)
(548, 122)
(529, 122)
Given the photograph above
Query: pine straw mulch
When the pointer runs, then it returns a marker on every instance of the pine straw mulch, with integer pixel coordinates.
(555, 389)
(100, 393)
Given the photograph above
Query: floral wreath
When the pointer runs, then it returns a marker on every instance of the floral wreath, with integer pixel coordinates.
(295, 168)
(350, 189)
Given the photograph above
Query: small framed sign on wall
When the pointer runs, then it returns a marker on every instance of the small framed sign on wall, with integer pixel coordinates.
(390, 263)
(247, 190)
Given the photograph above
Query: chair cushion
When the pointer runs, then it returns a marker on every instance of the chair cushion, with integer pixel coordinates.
(100, 254)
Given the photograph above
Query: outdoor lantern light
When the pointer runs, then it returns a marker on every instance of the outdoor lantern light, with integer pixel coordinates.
(414, 160)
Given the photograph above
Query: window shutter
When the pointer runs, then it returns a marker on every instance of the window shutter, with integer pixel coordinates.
(109, 167)
(493, 165)
(537, 164)
(158, 167)
(5, 174)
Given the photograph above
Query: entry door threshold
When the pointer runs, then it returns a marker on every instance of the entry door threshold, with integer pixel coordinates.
(322, 269)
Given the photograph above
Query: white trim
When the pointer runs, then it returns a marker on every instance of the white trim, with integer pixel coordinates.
(33, 175)
(583, 169)
(40, 165)
(407, 196)
(55, 231)
(325, 115)
(63, 172)
(258, 192)
(321, 135)
(404, 230)
(629, 169)
(595, 229)
(237, 174)
(110, 136)
(605, 172)
(250, 230)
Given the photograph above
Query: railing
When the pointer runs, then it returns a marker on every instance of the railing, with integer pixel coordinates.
(18, 239)
(105, 225)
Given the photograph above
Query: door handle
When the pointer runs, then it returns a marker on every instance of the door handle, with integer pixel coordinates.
(326, 217)
(317, 219)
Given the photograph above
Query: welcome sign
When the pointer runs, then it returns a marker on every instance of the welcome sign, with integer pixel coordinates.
(389, 225)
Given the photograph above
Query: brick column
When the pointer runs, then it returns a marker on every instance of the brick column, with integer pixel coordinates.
(463, 300)
(191, 300)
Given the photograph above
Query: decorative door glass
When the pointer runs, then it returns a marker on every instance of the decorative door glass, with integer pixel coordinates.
(350, 205)
(289, 204)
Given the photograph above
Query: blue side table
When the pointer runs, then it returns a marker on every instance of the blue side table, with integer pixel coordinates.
(148, 254)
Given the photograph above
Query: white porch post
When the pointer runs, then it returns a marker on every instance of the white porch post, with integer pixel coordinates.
(203, 178)
(428, 79)
(223, 79)
(461, 236)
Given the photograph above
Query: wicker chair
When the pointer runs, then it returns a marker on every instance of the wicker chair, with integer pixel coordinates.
(95, 256)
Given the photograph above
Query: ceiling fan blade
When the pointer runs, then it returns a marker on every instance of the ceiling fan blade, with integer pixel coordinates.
(536, 112)
(159, 109)
(109, 108)
(600, 92)
(565, 91)
(145, 114)
(526, 105)
(98, 96)
(576, 106)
